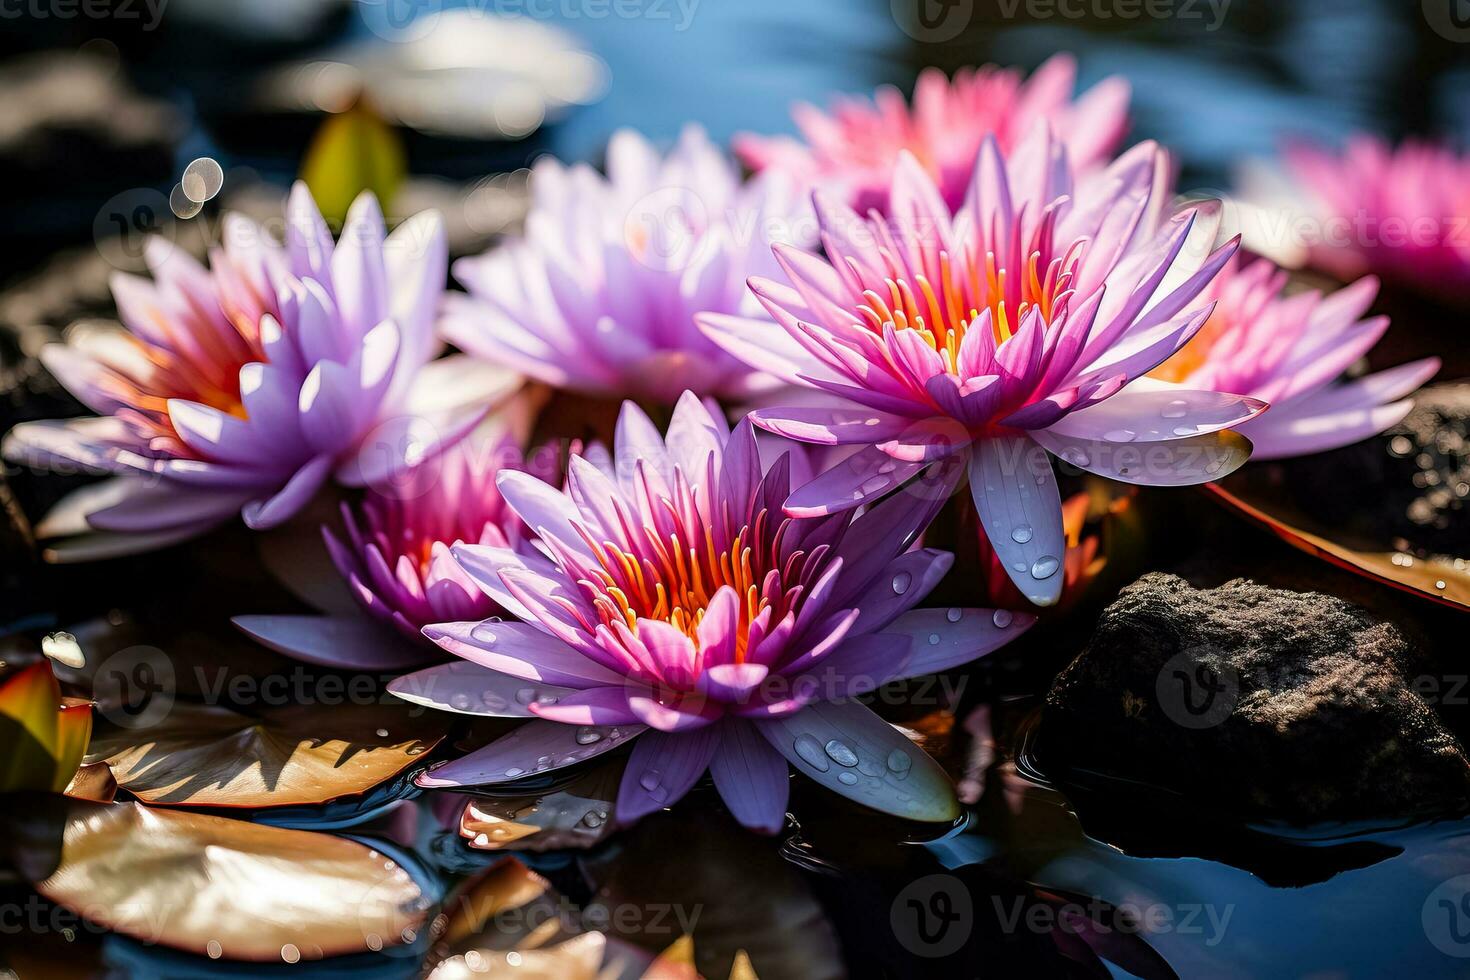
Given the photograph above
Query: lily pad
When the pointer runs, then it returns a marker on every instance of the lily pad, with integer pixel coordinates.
(1252, 494)
(573, 814)
(229, 889)
(210, 755)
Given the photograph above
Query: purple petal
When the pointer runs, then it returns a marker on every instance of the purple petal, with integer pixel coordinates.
(862, 477)
(1181, 463)
(1149, 411)
(521, 651)
(298, 491)
(469, 689)
(1016, 496)
(520, 754)
(753, 780)
(946, 638)
(661, 769)
(851, 751)
(334, 641)
(732, 683)
(594, 706)
(903, 584)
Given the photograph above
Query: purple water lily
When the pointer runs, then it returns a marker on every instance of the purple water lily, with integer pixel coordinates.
(676, 605)
(242, 388)
(599, 295)
(393, 554)
(1016, 327)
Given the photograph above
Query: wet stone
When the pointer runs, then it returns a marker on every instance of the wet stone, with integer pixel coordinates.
(1257, 701)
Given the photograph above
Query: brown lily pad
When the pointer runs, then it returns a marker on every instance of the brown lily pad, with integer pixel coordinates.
(301, 754)
(1255, 494)
(229, 889)
(575, 814)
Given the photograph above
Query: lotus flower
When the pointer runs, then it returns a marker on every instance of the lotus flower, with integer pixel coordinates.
(678, 607)
(245, 387)
(854, 149)
(599, 296)
(394, 557)
(1290, 351)
(1403, 213)
(1020, 326)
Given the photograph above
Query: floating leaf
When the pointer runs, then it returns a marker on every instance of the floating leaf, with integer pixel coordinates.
(1248, 494)
(226, 888)
(354, 151)
(209, 755)
(93, 782)
(577, 813)
(43, 736)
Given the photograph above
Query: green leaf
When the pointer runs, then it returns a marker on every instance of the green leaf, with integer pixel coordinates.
(354, 151)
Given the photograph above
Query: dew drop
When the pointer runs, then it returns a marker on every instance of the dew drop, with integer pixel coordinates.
(1019, 566)
(526, 695)
(1044, 567)
(841, 753)
(1120, 435)
(887, 466)
(290, 953)
(811, 753)
(461, 702)
(1076, 457)
(1439, 584)
(953, 615)
(934, 639)
(1022, 533)
(1175, 410)
(1185, 430)
(587, 735)
(899, 762)
(874, 485)
(214, 949)
(901, 583)
(1002, 618)
(515, 771)
(593, 819)
(847, 778)
(382, 733)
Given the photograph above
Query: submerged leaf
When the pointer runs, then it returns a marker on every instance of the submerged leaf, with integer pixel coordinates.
(227, 888)
(209, 755)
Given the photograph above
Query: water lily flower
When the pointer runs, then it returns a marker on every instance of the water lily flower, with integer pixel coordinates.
(853, 150)
(1290, 350)
(244, 387)
(676, 605)
(393, 554)
(600, 293)
(1022, 325)
(1399, 212)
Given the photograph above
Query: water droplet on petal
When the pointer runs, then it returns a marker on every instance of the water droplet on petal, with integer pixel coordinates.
(1439, 584)
(874, 484)
(587, 735)
(461, 702)
(934, 639)
(901, 583)
(515, 771)
(841, 753)
(953, 615)
(847, 778)
(1002, 618)
(1175, 410)
(899, 762)
(592, 819)
(1185, 430)
(811, 753)
(526, 695)
(1120, 435)
(887, 466)
(1019, 566)
(1044, 567)
(1022, 533)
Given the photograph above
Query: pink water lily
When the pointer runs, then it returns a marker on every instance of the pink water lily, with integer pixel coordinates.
(1400, 212)
(393, 554)
(1291, 351)
(599, 295)
(676, 605)
(852, 150)
(244, 387)
(1021, 325)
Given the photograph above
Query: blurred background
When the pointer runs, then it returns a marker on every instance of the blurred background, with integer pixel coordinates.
(128, 117)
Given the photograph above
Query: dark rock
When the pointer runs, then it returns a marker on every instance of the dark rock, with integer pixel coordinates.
(1258, 701)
